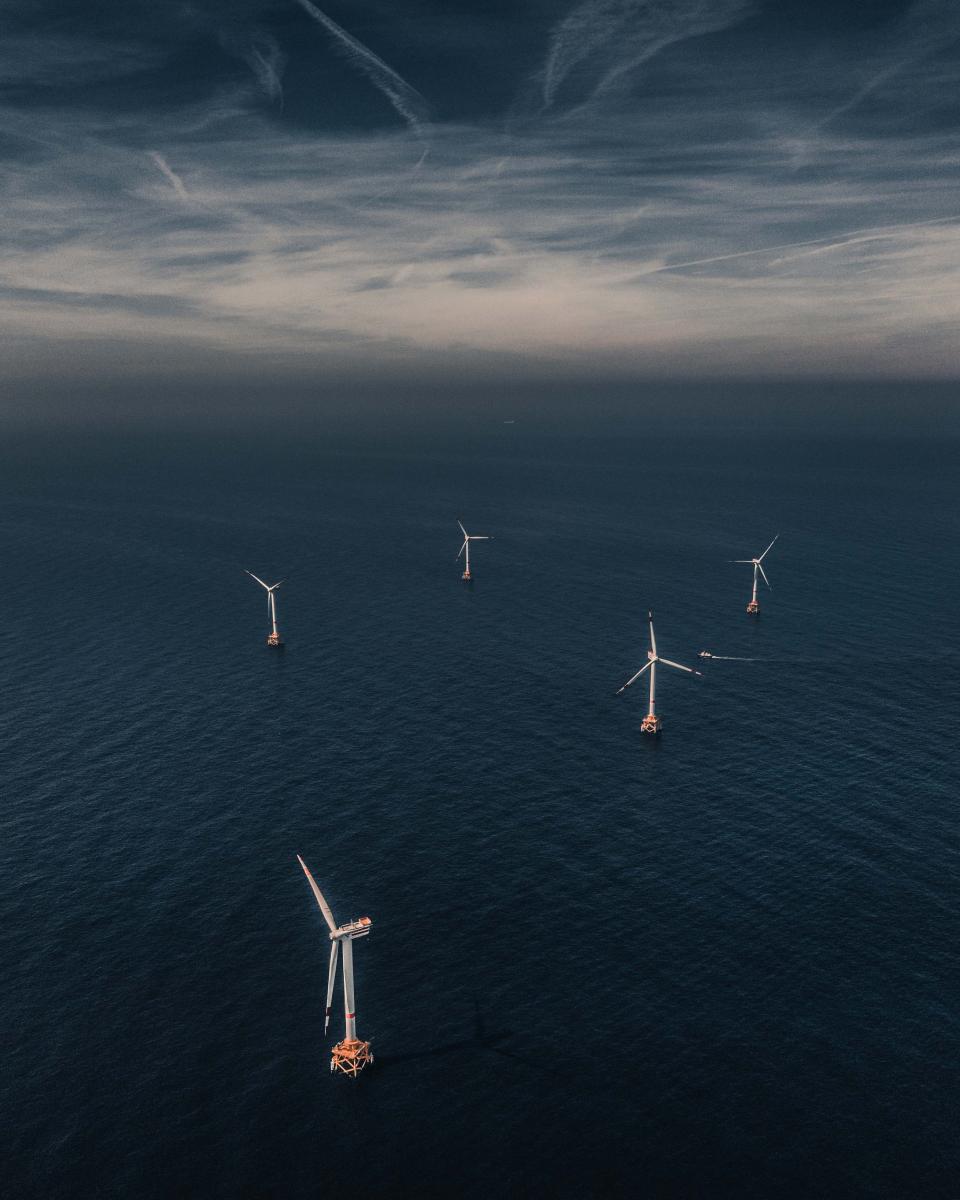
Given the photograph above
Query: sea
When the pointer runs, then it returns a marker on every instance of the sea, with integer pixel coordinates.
(721, 962)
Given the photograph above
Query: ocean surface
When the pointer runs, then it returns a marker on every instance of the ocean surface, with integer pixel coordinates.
(720, 963)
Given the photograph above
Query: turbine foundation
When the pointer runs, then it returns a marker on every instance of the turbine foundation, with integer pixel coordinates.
(467, 577)
(274, 639)
(350, 1057)
(651, 724)
(753, 608)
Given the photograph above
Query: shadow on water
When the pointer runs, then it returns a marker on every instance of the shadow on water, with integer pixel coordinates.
(483, 1039)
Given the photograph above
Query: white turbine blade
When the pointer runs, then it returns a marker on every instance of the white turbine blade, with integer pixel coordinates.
(331, 980)
(679, 666)
(324, 906)
(462, 530)
(744, 560)
(274, 586)
(767, 551)
(764, 574)
(635, 677)
(479, 537)
(257, 578)
(653, 640)
(463, 547)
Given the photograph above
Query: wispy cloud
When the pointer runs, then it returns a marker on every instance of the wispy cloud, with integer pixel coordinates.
(267, 61)
(262, 54)
(168, 173)
(52, 60)
(599, 41)
(677, 236)
(926, 27)
(819, 245)
(405, 99)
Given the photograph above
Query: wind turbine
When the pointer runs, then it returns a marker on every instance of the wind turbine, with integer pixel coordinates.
(651, 722)
(351, 1055)
(273, 638)
(467, 539)
(754, 606)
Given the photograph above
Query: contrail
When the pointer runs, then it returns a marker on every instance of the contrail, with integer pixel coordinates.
(926, 27)
(865, 91)
(630, 32)
(173, 178)
(267, 66)
(826, 243)
(406, 100)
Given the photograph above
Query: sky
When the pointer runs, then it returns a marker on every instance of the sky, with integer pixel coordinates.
(385, 190)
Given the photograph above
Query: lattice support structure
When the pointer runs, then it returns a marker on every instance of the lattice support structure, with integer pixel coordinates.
(274, 639)
(350, 1057)
(651, 724)
(753, 608)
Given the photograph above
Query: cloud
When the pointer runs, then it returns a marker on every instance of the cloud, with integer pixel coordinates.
(51, 60)
(601, 40)
(674, 237)
(262, 54)
(925, 28)
(267, 62)
(173, 178)
(813, 245)
(406, 100)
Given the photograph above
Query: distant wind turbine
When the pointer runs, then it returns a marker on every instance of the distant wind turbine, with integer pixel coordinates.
(351, 1055)
(754, 606)
(467, 539)
(651, 722)
(273, 638)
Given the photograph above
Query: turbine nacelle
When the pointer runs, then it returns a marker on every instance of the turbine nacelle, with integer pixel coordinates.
(353, 929)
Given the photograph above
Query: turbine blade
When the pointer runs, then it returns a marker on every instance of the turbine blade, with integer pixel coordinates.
(680, 667)
(743, 560)
(257, 578)
(764, 574)
(331, 979)
(635, 677)
(324, 906)
(462, 530)
(275, 586)
(767, 551)
(463, 547)
(479, 537)
(653, 640)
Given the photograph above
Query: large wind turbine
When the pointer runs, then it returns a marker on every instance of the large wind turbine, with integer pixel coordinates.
(273, 638)
(351, 1055)
(754, 606)
(651, 722)
(467, 539)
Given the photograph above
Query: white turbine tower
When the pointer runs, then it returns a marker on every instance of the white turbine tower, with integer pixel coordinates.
(351, 1055)
(273, 638)
(467, 539)
(651, 722)
(754, 606)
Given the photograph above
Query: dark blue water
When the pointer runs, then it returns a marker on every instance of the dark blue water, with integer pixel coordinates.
(721, 963)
